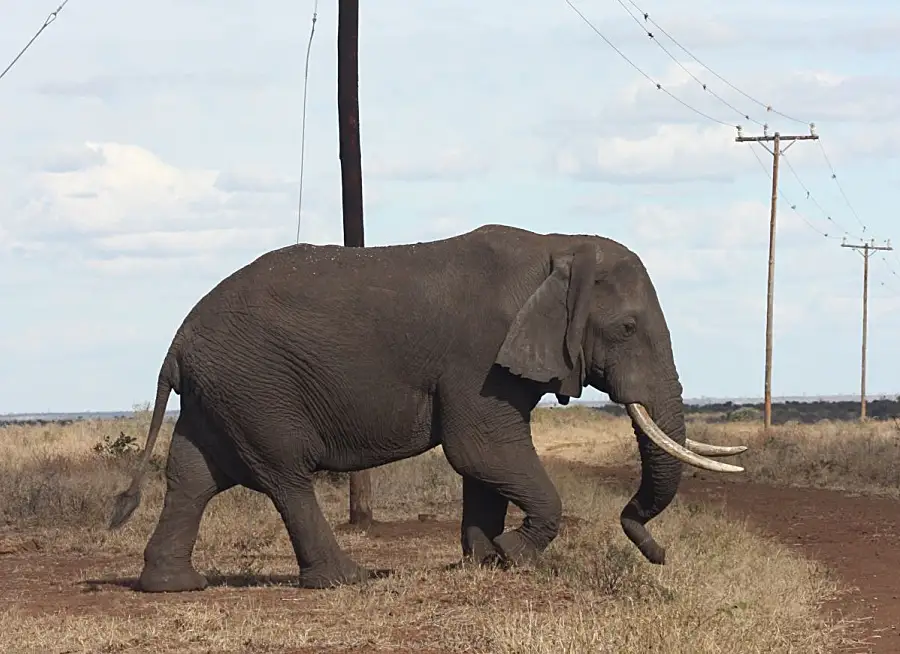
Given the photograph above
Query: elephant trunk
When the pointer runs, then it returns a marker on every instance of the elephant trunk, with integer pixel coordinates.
(660, 471)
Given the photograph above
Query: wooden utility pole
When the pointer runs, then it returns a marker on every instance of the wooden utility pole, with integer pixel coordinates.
(348, 121)
(776, 153)
(867, 250)
(352, 191)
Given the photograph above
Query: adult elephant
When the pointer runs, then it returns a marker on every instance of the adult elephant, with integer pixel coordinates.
(330, 358)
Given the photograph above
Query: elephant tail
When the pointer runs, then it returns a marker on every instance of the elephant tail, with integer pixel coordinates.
(128, 501)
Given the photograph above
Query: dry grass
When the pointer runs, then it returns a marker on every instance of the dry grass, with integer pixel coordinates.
(849, 456)
(863, 458)
(725, 588)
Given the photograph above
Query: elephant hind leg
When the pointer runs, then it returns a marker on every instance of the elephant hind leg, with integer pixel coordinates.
(288, 462)
(321, 561)
(192, 480)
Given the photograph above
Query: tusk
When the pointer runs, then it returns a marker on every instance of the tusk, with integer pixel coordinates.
(707, 449)
(643, 420)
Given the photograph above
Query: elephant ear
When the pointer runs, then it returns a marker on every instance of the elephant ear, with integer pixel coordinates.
(544, 340)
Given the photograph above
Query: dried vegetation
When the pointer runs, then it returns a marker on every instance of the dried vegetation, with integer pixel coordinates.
(837, 455)
(725, 588)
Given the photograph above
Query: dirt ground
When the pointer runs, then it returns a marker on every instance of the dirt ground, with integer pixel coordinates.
(855, 536)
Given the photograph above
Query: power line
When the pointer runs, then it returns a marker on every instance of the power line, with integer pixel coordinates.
(50, 19)
(312, 31)
(685, 69)
(888, 264)
(768, 107)
(764, 105)
(811, 198)
(774, 177)
(787, 200)
(840, 187)
(648, 77)
(890, 268)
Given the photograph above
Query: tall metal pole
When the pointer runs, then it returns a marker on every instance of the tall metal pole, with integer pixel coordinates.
(351, 191)
(776, 151)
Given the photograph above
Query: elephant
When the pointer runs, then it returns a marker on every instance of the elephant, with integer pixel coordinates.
(325, 357)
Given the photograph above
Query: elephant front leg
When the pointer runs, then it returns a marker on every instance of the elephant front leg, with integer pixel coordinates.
(531, 489)
(507, 463)
(483, 519)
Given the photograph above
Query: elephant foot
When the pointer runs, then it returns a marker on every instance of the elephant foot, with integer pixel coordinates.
(324, 576)
(515, 549)
(469, 562)
(489, 560)
(170, 580)
(479, 550)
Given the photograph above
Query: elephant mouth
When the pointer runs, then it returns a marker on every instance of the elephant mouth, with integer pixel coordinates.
(692, 452)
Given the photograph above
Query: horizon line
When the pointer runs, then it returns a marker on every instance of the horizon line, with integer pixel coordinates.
(546, 401)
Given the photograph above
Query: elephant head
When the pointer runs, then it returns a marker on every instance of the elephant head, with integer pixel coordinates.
(595, 319)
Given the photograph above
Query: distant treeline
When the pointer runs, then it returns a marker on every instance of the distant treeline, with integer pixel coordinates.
(39, 422)
(782, 412)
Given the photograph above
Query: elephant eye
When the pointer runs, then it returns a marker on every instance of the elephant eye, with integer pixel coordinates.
(629, 327)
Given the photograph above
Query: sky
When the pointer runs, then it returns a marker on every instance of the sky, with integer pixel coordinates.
(149, 150)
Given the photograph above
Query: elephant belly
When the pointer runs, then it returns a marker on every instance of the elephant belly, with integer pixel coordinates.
(401, 428)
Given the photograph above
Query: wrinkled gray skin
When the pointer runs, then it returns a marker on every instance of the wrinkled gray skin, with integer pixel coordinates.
(331, 358)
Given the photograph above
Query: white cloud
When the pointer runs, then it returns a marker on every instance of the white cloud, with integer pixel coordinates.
(672, 153)
(652, 139)
(253, 182)
(185, 242)
(127, 264)
(797, 96)
(738, 226)
(449, 163)
(127, 189)
(109, 87)
(78, 334)
(122, 206)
